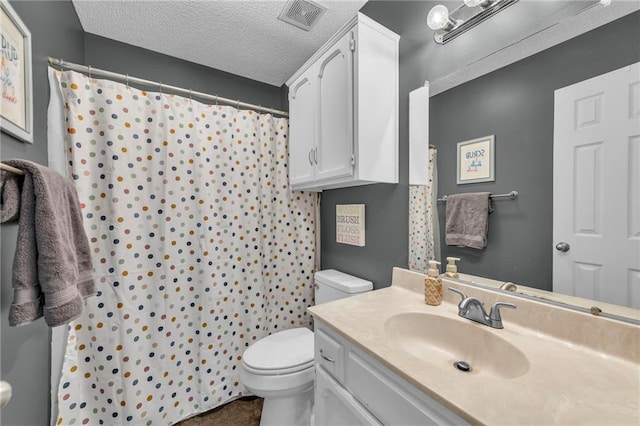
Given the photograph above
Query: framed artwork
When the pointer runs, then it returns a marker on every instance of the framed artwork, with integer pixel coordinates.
(350, 224)
(476, 160)
(16, 78)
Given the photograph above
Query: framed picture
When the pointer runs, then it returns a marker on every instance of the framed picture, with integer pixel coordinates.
(476, 160)
(16, 78)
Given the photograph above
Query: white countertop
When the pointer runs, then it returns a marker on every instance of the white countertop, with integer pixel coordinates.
(583, 369)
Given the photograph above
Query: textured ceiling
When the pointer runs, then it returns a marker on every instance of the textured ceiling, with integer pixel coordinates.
(245, 37)
(237, 36)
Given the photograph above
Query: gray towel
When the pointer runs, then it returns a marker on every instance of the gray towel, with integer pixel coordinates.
(468, 219)
(52, 270)
(9, 196)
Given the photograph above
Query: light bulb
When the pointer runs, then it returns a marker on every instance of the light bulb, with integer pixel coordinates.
(438, 17)
(472, 3)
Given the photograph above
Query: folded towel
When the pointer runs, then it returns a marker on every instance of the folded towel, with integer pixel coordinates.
(467, 221)
(9, 196)
(52, 270)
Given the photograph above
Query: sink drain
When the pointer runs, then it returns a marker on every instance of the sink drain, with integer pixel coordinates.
(462, 366)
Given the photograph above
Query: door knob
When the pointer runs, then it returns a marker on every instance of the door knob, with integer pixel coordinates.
(563, 247)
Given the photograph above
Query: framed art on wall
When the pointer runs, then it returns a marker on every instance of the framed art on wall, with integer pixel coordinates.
(476, 160)
(16, 76)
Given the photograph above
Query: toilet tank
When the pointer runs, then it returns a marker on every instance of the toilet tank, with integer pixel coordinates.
(333, 285)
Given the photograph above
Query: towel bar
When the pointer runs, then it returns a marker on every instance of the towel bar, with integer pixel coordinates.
(512, 195)
(10, 169)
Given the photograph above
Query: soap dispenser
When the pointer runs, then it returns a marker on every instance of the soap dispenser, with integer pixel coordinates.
(452, 268)
(433, 285)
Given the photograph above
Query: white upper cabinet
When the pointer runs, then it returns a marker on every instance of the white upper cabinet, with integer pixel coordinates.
(343, 105)
(301, 160)
(334, 71)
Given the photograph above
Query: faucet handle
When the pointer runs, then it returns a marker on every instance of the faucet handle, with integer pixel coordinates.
(455, 290)
(494, 315)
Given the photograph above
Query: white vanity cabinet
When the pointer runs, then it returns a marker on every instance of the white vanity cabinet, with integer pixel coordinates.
(343, 106)
(353, 388)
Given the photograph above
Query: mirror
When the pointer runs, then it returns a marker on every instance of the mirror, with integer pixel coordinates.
(598, 308)
(516, 104)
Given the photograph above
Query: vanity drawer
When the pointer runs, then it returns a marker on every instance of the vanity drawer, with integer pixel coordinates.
(392, 401)
(329, 353)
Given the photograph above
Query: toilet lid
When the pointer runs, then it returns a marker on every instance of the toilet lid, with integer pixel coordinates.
(289, 350)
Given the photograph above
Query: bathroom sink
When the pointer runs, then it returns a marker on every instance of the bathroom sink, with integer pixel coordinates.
(444, 341)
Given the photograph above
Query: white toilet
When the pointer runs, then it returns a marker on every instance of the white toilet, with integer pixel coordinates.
(279, 367)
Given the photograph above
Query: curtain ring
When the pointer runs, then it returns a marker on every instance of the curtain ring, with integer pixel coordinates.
(89, 72)
(190, 92)
(238, 104)
(61, 64)
(127, 81)
(160, 85)
(216, 101)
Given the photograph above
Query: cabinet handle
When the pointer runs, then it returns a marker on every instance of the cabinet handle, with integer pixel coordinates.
(326, 358)
(310, 157)
(315, 155)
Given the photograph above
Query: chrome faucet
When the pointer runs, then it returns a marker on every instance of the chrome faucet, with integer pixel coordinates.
(473, 309)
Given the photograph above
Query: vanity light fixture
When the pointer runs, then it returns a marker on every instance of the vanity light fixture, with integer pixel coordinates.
(448, 25)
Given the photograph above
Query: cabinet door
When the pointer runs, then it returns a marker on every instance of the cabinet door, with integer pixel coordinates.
(335, 121)
(390, 398)
(335, 406)
(302, 129)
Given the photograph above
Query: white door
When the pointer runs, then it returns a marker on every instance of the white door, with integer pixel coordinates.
(302, 129)
(335, 91)
(596, 215)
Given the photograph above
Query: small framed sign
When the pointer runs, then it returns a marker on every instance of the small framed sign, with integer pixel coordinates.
(476, 160)
(16, 109)
(350, 224)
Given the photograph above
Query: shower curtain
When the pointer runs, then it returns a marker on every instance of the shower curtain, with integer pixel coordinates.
(199, 248)
(424, 227)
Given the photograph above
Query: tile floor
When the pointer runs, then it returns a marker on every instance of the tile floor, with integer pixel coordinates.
(241, 412)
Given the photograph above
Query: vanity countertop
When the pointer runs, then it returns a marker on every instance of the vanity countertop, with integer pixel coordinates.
(583, 369)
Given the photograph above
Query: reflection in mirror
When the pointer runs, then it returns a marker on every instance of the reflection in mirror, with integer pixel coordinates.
(516, 103)
(594, 307)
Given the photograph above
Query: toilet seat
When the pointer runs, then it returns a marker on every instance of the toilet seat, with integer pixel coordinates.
(284, 352)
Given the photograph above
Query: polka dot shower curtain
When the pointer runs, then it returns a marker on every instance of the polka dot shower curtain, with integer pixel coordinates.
(424, 227)
(199, 248)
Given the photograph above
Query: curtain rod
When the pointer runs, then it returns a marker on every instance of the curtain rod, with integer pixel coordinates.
(124, 78)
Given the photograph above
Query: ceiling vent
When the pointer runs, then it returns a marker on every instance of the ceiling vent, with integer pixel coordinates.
(302, 13)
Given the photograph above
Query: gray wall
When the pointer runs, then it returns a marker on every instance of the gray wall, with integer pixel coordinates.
(124, 58)
(514, 103)
(56, 31)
